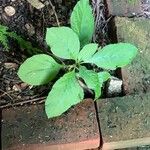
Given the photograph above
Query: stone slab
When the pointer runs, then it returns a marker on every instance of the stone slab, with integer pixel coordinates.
(136, 76)
(125, 121)
(124, 7)
(27, 128)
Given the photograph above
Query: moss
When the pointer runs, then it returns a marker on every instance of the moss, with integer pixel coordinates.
(131, 2)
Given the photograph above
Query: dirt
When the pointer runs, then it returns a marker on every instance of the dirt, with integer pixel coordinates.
(38, 19)
(31, 24)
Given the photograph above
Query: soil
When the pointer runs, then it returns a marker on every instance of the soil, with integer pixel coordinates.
(31, 24)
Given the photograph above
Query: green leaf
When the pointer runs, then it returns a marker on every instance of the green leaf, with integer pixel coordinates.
(4, 41)
(63, 41)
(3, 37)
(65, 93)
(27, 45)
(103, 76)
(38, 69)
(114, 55)
(82, 21)
(5, 34)
(91, 79)
(87, 51)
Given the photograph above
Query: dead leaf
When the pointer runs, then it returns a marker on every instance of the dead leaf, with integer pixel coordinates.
(36, 3)
(9, 65)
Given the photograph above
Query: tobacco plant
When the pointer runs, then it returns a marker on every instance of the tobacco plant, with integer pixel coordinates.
(73, 44)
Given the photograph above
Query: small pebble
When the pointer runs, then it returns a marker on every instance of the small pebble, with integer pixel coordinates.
(23, 85)
(30, 28)
(16, 88)
(9, 10)
(9, 65)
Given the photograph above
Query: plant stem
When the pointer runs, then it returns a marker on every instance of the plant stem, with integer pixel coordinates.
(85, 87)
(40, 99)
(53, 8)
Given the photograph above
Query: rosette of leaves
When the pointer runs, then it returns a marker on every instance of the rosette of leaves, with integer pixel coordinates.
(66, 44)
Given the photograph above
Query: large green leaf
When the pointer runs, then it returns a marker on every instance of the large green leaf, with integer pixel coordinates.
(65, 93)
(63, 41)
(91, 79)
(87, 51)
(39, 69)
(82, 21)
(114, 55)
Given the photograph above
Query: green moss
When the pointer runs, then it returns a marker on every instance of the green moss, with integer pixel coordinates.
(132, 2)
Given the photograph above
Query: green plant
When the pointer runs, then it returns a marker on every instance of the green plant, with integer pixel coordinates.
(3, 37)
(65, 44)
(5, 34)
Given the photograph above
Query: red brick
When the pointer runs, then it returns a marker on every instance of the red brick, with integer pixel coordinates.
(136, 76)
(27, 128)
(125, 121)
(124, 7)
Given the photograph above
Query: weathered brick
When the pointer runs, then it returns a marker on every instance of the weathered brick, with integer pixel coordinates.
(27, 128)
(136, 76)
(124, 7)
(125, 121)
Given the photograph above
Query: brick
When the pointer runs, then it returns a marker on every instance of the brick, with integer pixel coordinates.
(124, 7)
(136, 76)
(125, 121)
(27, 128)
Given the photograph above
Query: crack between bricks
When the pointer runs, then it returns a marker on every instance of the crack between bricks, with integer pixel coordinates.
(99, 127)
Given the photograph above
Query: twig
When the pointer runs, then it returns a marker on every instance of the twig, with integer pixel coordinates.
(5, 93)
(85, 87)
(41, 99)
(53, 8)
(106, 23)
(100, 20)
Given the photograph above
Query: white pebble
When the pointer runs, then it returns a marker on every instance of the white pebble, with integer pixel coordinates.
(9, 10)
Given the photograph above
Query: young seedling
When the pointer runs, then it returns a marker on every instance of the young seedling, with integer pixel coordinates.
(73, 44)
